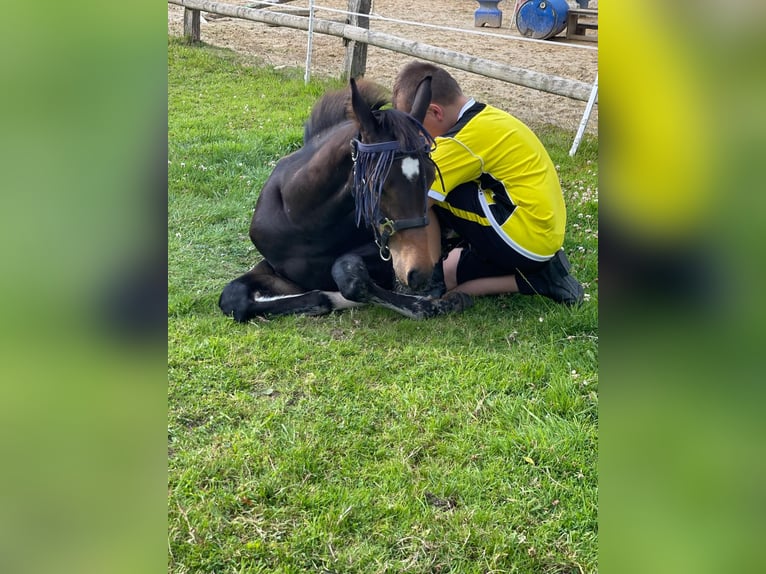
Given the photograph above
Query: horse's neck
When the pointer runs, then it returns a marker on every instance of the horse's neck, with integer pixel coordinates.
(321, 184)
(331, 160)
(334, 146)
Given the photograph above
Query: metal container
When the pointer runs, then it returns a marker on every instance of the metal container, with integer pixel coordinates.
(542, 19)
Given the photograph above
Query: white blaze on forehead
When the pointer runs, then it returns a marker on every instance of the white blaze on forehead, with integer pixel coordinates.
(410, 168)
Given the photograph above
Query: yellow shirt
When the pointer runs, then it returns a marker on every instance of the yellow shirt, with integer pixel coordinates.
(519, 191)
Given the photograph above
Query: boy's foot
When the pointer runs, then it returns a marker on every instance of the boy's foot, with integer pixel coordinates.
(553, 281)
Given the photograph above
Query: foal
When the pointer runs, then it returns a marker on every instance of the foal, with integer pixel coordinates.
(341, 221)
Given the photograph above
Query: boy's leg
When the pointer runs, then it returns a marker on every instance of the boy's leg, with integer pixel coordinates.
(488, 266)
(449, 268)
(466, 272)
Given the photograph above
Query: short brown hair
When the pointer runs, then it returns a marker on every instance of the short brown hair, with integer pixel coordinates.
(444, 88)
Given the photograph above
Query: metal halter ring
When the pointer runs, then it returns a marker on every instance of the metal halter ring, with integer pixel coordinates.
(388, 227)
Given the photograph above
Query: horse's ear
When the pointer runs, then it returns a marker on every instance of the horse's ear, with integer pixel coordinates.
(362, 111)
(422, 99)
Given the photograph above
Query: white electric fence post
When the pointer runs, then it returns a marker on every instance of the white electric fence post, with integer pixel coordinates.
(307, 75)
(585, 117)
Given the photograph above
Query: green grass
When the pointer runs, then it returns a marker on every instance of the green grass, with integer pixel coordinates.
(361, 441)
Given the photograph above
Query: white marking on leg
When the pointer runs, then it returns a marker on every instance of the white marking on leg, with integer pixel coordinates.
(340, 302)
(266, 299)
(410, 168)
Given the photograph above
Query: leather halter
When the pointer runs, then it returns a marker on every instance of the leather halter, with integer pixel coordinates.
(385, 228)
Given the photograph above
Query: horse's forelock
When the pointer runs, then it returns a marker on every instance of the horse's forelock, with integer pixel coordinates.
(370, 173)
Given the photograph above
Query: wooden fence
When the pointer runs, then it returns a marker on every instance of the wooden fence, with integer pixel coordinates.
(544, 82)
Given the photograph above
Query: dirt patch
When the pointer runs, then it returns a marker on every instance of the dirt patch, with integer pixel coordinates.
(279, 46)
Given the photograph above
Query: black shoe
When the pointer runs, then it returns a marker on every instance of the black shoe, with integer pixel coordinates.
(553, 281)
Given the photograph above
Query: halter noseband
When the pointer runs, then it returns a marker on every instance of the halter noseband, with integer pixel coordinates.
(385, 153)
(388, 227)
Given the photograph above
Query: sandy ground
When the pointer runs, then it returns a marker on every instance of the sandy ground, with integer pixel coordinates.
(279, 46)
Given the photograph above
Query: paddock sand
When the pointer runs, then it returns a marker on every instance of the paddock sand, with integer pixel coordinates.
(279, 46)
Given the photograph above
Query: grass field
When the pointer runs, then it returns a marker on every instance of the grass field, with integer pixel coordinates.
(362, 442)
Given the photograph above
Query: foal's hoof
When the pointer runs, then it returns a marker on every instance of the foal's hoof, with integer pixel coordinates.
(353, 280)
(456, 301)
(235, 301)
(452, 302)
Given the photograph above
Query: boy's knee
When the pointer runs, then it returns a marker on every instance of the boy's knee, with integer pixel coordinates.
(450, 265)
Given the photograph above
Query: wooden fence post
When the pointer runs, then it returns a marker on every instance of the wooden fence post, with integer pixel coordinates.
(191, 25)
(355, 64)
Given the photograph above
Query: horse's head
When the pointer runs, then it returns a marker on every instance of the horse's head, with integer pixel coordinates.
(393, 172)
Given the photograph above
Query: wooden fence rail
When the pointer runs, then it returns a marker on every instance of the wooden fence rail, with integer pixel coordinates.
(544, 82)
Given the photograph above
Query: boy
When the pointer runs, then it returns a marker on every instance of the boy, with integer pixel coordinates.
(497, 188)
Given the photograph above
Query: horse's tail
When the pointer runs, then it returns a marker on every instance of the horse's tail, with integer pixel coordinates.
(335, 107)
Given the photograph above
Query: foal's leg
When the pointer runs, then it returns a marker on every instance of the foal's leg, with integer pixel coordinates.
(261, 292)
(355, 284)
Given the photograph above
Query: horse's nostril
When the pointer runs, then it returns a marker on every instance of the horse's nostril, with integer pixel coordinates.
(417, 279)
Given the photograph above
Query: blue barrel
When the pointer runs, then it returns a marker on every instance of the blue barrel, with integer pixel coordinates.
(542, 19)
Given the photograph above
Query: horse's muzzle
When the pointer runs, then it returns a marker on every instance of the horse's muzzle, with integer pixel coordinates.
(418, 280)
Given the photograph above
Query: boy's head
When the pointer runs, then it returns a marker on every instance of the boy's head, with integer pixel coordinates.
(444, 89)
(445, 92)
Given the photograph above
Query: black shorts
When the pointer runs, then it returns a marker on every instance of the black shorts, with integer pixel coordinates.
(485, 253)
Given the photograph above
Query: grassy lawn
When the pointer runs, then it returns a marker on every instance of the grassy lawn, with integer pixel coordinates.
(362, 441)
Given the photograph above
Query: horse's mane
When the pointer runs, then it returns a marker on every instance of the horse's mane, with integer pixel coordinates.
(335, 107)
